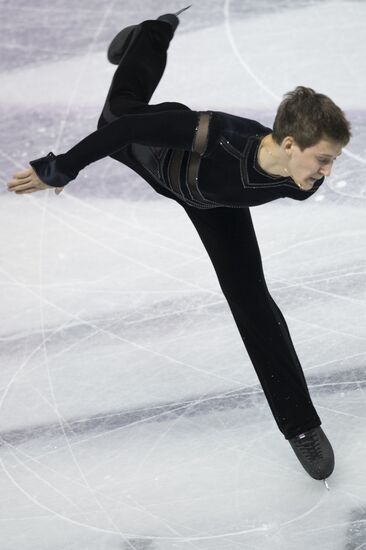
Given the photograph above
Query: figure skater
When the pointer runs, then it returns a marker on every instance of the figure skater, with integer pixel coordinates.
(216, 166)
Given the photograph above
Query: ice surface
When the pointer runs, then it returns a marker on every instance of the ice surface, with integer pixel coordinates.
(131, 416)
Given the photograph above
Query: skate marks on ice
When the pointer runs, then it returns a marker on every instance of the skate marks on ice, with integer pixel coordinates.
(114, 420)
(345, 382)
(139, 544)
(356, 532)
(69, 37)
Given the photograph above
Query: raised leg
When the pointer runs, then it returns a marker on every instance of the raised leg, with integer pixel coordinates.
(229, 238)
(139, 72)
(134, 82)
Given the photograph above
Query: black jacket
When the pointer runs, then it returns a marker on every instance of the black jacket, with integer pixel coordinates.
(219, 171)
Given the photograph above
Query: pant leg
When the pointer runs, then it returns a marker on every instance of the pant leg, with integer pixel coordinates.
(229, 238)
(139, 73)
(134, 82)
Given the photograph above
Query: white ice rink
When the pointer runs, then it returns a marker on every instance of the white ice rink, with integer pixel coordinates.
(131, 417)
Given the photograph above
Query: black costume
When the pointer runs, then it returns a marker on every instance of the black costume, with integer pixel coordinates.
(206, 162)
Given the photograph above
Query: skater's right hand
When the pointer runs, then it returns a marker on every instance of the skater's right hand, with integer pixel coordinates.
(27, 181)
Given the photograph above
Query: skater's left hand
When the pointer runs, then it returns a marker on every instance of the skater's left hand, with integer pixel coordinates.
(27, 181)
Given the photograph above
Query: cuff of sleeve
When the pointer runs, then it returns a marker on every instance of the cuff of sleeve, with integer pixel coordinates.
(48, 170)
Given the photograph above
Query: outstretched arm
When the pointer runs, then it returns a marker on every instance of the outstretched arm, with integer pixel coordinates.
(173, 129)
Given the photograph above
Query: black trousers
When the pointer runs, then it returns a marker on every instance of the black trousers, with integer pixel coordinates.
(229, 238)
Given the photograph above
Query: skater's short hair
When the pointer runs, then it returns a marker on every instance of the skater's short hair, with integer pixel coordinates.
(309, 117)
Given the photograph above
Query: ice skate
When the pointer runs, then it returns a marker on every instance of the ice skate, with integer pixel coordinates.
(315, 453)
(172, 18)
(121, 42)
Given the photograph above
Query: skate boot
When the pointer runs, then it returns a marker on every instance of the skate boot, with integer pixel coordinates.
(172, 18)
(121, 42)
(315, 453)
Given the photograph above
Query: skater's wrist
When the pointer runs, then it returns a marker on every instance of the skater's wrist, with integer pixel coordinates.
(53, 170)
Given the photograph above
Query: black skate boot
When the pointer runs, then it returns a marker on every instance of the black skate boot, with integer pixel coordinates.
(121, 42)
(315, 452)
(172, 18)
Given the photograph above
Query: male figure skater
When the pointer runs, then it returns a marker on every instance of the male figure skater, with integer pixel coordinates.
(216, 166)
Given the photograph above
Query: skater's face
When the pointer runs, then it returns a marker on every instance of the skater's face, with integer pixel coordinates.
(313, 163)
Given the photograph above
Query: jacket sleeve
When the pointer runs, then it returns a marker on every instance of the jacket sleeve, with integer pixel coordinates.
(173, 129)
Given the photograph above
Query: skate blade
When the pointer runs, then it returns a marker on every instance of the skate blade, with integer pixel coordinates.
(183, 9)
(326, 484)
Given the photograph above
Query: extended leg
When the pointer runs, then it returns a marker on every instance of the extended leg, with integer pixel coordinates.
(139, 72)
(229, 238)
(135, 80)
